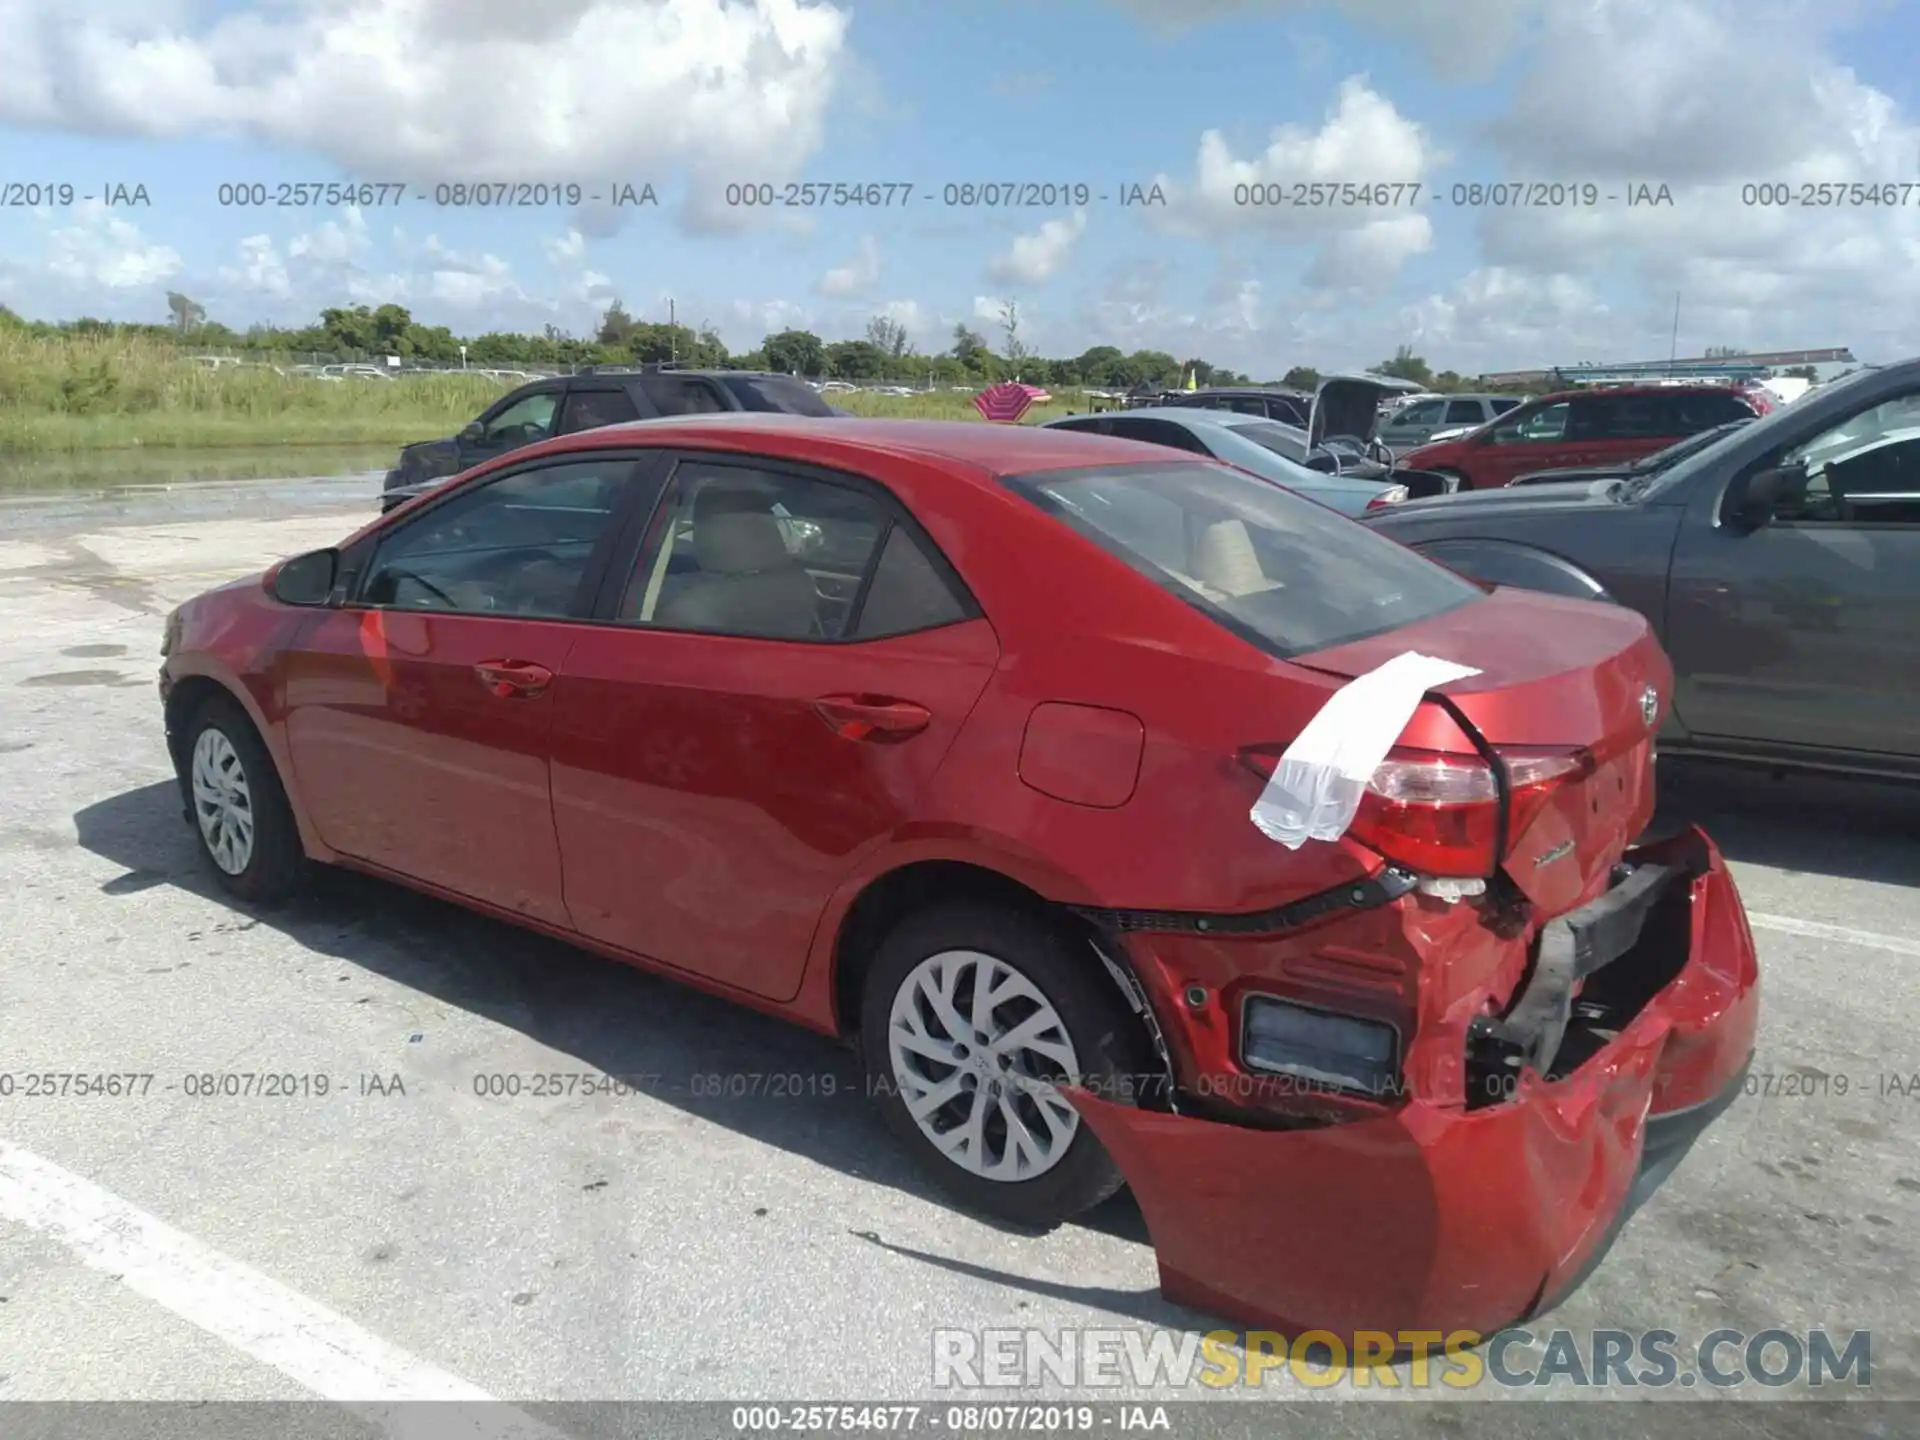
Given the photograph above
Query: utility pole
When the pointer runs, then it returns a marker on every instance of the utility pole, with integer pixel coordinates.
(1673, 346)
(673, 337)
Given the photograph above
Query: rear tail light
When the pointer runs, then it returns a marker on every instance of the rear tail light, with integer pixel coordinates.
(1392, 495)
(1438, 814)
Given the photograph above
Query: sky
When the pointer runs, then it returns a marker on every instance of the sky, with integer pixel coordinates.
(1506, 183)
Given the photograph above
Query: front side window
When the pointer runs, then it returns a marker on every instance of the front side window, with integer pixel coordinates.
(1866, 469)
(742, 550)
(525, 421)
(1288, 574)
(519, 545)
(1530, 427)
(1422, 412)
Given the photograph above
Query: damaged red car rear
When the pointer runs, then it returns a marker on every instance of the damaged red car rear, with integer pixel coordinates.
(948, 739)
(1420, 1074)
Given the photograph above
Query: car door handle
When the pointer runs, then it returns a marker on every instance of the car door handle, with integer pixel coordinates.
(513, 679)
(872, 717)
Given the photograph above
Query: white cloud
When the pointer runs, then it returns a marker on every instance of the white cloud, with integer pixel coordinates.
(101, 250)
(1037, 257)
(1619, 96)
(334, 242)
(566, 249)
(1364, 141)
(432, 90)
(857, 276)
(1497, 318)
(989, 308)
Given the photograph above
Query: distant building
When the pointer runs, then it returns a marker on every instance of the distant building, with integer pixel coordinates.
(1699, 367)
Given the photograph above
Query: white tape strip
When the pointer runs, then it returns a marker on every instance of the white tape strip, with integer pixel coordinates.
(1317, 785)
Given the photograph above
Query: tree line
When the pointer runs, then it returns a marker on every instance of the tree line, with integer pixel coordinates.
(884, 353)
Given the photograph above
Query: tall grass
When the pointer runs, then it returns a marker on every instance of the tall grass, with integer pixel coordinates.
(74, 393)
(94, 392)
(945, 405)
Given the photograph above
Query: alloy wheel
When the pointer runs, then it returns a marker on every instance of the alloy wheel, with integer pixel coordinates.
(979, 1053)
(222, 801)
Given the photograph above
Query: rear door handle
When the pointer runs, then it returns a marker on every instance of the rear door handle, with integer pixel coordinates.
(513, 679)
(872, 717)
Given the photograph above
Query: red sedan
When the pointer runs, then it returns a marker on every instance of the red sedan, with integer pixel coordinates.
(953, 740)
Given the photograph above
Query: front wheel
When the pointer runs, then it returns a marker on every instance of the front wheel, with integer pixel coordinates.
(240, 812)
(972, 1019)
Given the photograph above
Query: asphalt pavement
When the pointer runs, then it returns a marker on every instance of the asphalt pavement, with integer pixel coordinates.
(407, 1235)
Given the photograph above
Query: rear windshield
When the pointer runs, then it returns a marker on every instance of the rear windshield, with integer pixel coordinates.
(1281, 571)
(776, 393)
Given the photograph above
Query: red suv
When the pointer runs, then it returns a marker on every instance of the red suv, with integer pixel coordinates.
(1585, 427)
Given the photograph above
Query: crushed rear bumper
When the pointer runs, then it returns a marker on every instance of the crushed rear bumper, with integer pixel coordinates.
(1432, 1218)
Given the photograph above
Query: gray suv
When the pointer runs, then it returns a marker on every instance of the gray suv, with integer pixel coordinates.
(586, 401)
(1416, 423)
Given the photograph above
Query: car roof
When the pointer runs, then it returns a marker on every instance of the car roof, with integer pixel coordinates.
(986, 449)
(1636, 390)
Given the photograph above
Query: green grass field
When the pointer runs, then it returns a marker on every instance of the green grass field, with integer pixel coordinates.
(102, 394)
(59, 396)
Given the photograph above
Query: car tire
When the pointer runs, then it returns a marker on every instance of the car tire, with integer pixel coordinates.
(1034, 966)
(241, 818)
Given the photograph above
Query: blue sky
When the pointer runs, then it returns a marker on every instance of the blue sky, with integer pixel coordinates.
(1706, 98)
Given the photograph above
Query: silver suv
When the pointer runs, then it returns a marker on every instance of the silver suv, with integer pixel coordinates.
(1419, 421)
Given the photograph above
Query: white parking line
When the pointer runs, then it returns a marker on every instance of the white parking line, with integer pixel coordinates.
(303, 1340)
(1815, 930)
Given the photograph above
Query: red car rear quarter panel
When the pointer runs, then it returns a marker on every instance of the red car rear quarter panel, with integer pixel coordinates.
(1434, 1217)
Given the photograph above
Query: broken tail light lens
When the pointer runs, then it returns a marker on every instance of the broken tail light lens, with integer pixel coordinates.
(1439, 814)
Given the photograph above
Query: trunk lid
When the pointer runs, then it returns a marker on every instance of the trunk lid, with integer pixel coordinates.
(1558, 676)
(1350, 405)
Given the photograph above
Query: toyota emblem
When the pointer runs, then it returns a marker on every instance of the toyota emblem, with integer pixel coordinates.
(1650, 705)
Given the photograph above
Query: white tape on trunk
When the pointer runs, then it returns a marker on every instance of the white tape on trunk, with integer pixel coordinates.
(1317, 786)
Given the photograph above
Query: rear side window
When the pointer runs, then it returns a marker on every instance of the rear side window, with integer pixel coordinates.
(1283, 572)
(907, 592)
(1689, 414)
(1158, 432)
(1618, 417)
(590, 409)
(776, 393)
(1464, 412)
(1500, 407)
(683, 395)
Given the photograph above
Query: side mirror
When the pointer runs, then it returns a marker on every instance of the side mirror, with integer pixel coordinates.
(306, 579)
(473, 432)
(1754, 504)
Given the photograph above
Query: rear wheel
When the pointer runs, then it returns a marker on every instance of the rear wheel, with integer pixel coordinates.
(240, 812)
(973, 1017)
